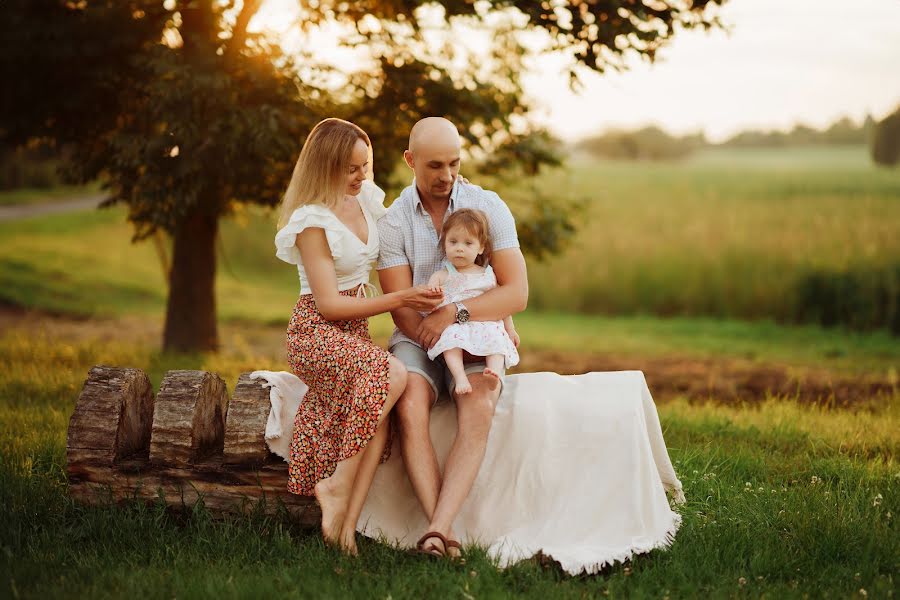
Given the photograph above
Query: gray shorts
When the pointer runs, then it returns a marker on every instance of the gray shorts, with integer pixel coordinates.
(434, 371)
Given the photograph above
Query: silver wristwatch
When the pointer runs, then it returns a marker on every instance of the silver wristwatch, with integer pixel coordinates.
(462, 313)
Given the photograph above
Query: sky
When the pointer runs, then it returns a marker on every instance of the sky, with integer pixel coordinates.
(782, 62)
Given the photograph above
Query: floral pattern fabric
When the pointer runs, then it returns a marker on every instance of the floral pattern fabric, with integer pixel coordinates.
(348, 379)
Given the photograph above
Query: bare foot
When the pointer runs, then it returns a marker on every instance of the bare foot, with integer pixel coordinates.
(463, 386)
(493, 378)
(333, 506)
(348, 542)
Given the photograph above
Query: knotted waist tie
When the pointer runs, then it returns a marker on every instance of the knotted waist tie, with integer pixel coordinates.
(366, 290)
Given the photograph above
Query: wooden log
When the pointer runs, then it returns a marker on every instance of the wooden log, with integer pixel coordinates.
(189, 456)
(112, 417)
(245, 425)
(188, 419)
(221, 489)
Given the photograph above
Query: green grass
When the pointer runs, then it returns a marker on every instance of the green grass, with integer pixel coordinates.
(45, 195)
(794, 501)
(709, 338)
(84, 264)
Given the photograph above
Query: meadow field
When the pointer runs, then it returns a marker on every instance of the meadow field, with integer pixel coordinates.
(729, 233)
(685, 271)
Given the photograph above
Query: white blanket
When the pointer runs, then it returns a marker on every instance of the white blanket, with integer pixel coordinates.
(576, 467)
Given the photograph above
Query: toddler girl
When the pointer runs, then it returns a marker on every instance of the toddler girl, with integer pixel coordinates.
(466, 274)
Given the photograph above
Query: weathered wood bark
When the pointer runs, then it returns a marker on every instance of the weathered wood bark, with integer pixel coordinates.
(189, 418)
(112, 417)
(184, 447)
(245, 442)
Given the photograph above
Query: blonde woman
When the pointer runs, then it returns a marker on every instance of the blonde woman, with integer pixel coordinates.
(328, 229)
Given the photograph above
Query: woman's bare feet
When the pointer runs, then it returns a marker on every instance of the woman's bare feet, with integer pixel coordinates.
(493, 378)
(348, 542)
(333, 505)
(462, 385)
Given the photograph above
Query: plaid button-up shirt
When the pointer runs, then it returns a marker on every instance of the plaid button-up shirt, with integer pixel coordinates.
(407, 234)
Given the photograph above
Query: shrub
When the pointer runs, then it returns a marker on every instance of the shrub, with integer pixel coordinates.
(886, 140)
(860, 298)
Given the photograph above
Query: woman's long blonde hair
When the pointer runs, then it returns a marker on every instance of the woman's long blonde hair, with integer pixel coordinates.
(320, 175)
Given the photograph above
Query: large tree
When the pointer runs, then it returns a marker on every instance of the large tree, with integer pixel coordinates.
(184, 114)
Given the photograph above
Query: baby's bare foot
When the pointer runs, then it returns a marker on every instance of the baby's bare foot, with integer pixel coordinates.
(333, 506)
(463, 386)
(493, 377)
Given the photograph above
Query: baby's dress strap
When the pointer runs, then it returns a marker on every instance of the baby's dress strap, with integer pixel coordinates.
(449, 266)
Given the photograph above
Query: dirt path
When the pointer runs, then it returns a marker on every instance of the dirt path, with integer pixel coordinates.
(25, 211)
(725, 380)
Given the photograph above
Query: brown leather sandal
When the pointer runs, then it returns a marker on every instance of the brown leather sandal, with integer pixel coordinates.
(459, 559)
(433, 551)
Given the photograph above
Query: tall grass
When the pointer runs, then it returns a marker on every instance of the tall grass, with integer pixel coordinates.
(783, 501)
(729, 234)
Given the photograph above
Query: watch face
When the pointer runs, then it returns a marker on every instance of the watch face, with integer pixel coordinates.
(462, 316)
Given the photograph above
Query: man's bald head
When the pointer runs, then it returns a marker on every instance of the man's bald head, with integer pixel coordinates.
(433, 155)
(434, 133)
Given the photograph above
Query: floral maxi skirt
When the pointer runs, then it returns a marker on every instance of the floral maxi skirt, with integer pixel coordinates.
(348, 379)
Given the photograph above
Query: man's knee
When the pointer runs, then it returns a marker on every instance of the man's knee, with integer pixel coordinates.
(476, 410)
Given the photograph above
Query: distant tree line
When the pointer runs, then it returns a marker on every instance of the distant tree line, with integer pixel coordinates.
(31, 165)
(647, 143)
(843, 132)
(654, 143)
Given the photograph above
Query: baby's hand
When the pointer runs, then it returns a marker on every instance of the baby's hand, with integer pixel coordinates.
(437, 289)
(513, 335)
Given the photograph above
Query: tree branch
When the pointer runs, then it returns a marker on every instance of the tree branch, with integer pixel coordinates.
(239, 33)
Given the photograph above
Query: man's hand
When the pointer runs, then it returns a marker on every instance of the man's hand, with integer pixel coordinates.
(432, 326)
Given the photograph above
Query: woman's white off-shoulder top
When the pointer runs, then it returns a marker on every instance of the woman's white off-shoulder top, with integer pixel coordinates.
(352, 258)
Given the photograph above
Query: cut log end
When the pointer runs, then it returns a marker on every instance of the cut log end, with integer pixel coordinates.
(245, 442)
(112, 417)
(188, 418)
(188, 444)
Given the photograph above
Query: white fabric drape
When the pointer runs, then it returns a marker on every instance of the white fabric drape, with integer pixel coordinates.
(576, 467)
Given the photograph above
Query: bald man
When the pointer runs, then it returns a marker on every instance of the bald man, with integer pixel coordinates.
(409, 255)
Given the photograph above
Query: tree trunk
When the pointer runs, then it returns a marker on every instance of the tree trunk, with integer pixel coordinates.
(191, 309)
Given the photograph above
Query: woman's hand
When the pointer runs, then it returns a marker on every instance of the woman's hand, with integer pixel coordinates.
(423, 298)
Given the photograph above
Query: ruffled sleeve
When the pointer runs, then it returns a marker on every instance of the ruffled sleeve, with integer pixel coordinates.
(372, 198)
(310, 215)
